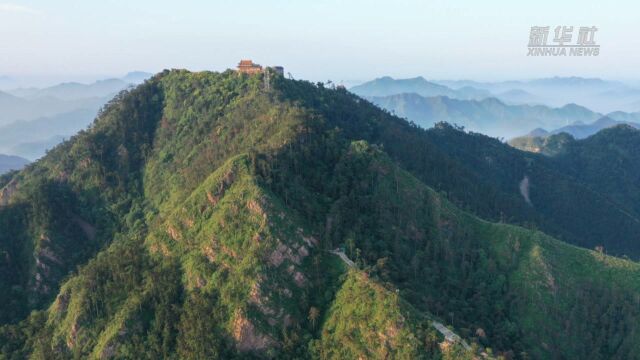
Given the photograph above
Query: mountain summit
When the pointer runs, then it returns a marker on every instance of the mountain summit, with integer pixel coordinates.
(206, 215)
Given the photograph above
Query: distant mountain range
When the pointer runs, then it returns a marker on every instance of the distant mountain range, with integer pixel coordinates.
(599, 95)
(596, 94)
(8, 163)
(14, 108)
(488, 116)
(503, 109)
(75, 91)
(386, 86)
(33, 120)
(580, 130)
(30, 139)
(36, 149)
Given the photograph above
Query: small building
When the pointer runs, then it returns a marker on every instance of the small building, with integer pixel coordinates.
(278, 69)
(249, 67)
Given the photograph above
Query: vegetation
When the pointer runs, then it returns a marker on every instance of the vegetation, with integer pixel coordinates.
(547, 145)
(194, 220)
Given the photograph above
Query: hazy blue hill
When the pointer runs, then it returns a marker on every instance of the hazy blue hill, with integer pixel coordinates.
(603, 96)
(538, 132)
(35, 149)
(551, 82)
(571, 81)
(6, 97)
(30, 119)
(12, 109)
(581, 130)
(386, 86)
(518, 96)
(31, 138)
(9, 162)
(489, 116)
(75, 91)
(633, 117)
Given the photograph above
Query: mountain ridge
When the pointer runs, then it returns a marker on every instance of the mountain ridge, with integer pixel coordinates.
(490, 115)
(204, 214)
(11, 162)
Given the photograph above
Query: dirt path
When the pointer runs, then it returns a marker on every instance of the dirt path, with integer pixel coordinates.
(449, 335)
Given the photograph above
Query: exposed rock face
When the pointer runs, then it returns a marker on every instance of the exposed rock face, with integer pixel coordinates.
(47, 264)
(284, 252)
(73, 335)
(213, 199)
(247, 337)
(174, 233)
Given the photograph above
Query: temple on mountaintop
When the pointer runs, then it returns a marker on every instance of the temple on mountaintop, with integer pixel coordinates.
(249, 67)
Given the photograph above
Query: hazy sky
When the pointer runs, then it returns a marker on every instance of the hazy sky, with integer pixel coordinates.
(318, 40)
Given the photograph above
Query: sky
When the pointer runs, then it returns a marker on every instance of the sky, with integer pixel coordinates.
(347, 41)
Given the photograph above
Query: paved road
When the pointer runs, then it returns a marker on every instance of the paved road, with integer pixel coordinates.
(344, 257)
(449, 335)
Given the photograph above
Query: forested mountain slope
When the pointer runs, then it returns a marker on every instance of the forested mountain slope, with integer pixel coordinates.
(194, 219)
(607, 161)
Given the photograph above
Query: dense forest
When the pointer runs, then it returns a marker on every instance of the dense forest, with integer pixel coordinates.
(196, 217)
(607, 161)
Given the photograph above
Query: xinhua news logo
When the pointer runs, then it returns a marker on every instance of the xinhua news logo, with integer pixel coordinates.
(562, 43)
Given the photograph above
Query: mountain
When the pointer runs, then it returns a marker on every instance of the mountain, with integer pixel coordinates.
(489, 116)
(571, 81)
(14, 109)
(35, 149)
(622, 117)
(607, 160)
(31, 138)
(518, 96)
(199, 217)
(75, 91)
(8, 163)
(32, 119)
(386, 86)
(599, 95)
(538, 132)
(543, 142)
(580, 130)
